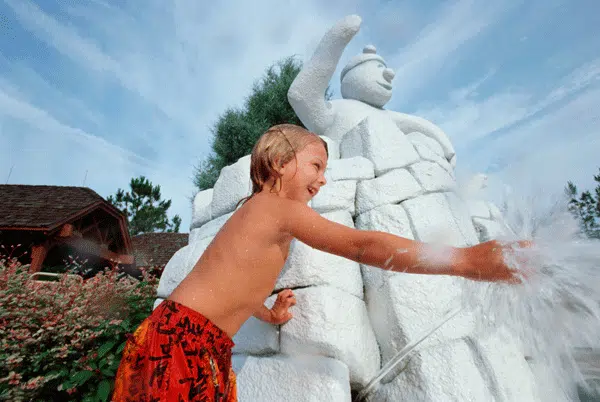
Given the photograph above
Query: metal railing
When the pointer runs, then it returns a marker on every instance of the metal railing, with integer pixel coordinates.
(402, 354)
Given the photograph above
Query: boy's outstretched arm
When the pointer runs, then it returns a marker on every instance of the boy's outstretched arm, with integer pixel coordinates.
(386, 251)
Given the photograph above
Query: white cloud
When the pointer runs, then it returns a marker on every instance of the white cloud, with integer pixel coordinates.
(22, 82)
(150, 80)
(40, 120)
(469, 118)
(551, 149)
(581, 77)
(455, 26)
(172, 67)
(37, 149)
(182, 55)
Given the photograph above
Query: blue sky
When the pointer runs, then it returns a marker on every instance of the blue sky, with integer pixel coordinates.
(103, 91)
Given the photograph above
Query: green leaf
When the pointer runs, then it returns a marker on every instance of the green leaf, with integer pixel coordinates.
(103, 390)
(114, 366)
(82, 376)
(66, 385)
(102, 363)
(121, 347)
(105, 348)
(57, 374)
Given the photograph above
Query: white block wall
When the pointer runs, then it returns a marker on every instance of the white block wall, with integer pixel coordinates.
(352, 319)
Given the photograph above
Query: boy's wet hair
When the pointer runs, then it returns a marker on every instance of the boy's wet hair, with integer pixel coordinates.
(277, 146)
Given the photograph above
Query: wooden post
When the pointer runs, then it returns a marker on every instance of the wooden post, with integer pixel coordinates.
(38, 254)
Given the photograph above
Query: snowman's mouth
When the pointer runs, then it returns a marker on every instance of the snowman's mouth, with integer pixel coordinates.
(386, 86)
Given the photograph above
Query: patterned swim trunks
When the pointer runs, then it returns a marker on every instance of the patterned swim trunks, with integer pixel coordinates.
(176, 354)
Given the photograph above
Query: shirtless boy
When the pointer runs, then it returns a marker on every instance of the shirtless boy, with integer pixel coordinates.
(182, 352)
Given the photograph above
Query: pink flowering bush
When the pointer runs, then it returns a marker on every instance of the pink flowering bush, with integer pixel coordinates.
(63, 340)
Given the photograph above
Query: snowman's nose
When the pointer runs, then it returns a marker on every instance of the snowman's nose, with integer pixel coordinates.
(389, 74)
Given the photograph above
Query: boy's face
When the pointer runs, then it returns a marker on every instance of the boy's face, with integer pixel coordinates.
(303, 176)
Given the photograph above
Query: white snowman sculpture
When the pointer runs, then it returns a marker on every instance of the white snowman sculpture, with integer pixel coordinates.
(391, 172)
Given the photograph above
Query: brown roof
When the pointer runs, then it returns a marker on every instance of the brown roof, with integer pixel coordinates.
(41, 206)
(156, 249)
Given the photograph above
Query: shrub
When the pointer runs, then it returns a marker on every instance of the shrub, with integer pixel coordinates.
(63, 340)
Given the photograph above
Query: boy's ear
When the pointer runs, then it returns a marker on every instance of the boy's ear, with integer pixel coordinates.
(277, 165)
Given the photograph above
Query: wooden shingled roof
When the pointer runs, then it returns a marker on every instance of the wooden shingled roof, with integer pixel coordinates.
(45, 207)
(156, 249)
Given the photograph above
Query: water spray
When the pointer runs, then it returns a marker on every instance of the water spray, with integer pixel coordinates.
(552, 313)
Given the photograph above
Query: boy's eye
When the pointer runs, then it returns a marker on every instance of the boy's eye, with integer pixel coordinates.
(317, 165)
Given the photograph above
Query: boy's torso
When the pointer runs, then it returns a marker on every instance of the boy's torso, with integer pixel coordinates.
(239, 269)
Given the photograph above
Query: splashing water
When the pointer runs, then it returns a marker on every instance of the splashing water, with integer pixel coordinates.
(555, 312)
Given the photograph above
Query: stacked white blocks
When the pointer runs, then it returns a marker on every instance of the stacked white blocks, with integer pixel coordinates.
(351, 319)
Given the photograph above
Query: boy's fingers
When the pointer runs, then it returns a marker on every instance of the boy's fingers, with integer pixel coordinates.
(525, 243)
(285, 293)
(290, 301)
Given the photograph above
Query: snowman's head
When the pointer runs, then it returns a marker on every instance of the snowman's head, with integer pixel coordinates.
(367, 78)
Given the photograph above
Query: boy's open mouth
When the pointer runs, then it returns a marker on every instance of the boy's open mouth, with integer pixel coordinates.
(312, 191)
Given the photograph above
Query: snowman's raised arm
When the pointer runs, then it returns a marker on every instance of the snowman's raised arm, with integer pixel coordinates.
(409, 123)
(307, 93)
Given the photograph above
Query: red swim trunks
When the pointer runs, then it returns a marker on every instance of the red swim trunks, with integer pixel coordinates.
(176, 354)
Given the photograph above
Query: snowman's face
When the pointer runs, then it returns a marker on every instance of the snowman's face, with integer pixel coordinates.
(369, 82)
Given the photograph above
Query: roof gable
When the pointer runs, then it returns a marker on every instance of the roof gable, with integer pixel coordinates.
(43, 206)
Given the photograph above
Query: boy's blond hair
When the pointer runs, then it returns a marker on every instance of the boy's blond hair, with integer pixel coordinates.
(277, 146)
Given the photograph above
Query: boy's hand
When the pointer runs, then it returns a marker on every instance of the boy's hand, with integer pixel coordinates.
(279, 311)
(486, 262)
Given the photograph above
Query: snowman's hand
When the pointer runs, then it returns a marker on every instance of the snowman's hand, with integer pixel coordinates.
(307, 92)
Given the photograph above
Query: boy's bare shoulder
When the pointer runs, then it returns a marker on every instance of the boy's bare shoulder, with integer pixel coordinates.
(281, 211)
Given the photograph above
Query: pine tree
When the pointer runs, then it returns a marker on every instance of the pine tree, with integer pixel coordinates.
(586, 208)
(145, 210)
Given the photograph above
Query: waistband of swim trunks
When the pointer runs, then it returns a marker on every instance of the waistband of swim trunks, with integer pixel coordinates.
(197, 320)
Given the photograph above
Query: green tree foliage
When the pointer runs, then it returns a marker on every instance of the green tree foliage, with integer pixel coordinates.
(237, 129)
(145, 210)
(586, 208)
